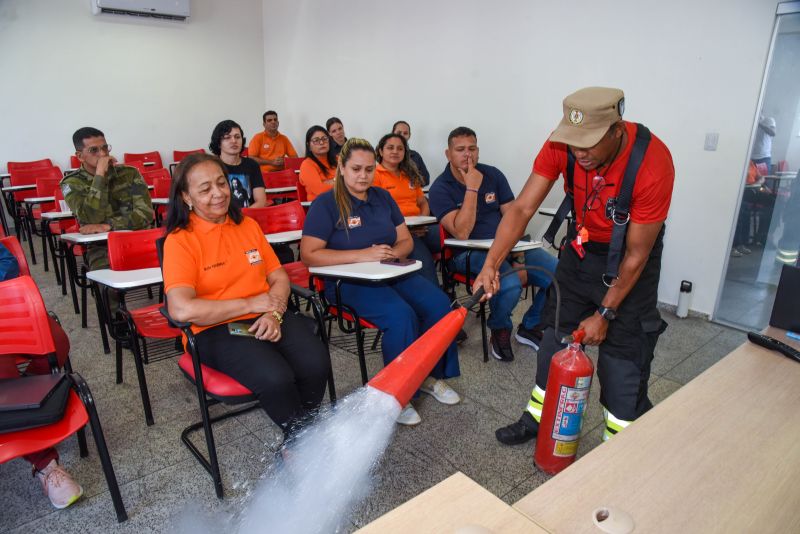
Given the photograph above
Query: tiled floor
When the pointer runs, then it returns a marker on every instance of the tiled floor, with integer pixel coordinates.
(162, 485)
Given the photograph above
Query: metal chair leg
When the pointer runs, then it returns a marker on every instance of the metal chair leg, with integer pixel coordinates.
(484, 341)
(137, 359)
(102, 448)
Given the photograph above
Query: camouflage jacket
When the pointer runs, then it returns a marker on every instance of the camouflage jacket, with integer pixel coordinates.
(120, 199)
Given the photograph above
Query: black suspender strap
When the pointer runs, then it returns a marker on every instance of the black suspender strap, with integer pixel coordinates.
(566, 204)
(621, 215)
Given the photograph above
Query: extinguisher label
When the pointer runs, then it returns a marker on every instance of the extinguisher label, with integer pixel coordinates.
(569, 417)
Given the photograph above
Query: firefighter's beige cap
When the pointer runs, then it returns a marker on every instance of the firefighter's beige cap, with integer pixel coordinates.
(588, 113)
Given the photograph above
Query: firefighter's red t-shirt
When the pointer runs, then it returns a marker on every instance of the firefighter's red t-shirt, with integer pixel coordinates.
(651, 194)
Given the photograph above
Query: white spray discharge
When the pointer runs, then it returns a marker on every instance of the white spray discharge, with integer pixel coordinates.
(326, 472)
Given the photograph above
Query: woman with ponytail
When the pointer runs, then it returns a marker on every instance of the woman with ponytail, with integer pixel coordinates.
(356, 222)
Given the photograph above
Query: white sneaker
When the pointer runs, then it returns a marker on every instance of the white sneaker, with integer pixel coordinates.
(440, 391)
(58, 485)
(409, 416)
(735, 253)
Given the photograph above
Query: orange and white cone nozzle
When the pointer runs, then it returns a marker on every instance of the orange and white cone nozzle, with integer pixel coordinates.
(405, 374)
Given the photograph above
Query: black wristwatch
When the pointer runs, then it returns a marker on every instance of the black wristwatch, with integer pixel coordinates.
(609, 314)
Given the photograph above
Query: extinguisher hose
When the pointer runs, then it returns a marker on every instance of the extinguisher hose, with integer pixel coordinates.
(476, 296)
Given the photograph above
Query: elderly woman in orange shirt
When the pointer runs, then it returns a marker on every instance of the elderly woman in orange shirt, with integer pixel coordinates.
(319, 168)
(219, 269)
(399, 175)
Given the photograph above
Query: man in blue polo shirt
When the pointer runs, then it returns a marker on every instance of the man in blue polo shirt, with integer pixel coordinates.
(469, 199)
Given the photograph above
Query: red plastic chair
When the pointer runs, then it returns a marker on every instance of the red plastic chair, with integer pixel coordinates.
(283, 218)
(26, 330)
(278, 218)
(302, 194)
(25, 216)
(74, 162)
(178, 155)
(128, 251)
(292, 164)
(129, 157)
(28, 165)
(161, 188)
(348, 321)
(280, 179)
(451, 278)
(150, 175)
(138, 165)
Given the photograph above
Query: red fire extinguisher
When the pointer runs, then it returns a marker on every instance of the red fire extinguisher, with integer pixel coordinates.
(565, 401)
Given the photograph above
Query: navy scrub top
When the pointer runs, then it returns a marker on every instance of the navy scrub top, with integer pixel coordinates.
(371, 222)
(447, 194)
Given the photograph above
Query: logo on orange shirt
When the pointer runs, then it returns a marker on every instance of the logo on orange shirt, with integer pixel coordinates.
(353, 222)
(490, 197)
(266, 146)
(253, 256)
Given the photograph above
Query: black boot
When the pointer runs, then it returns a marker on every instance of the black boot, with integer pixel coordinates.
(522, 431)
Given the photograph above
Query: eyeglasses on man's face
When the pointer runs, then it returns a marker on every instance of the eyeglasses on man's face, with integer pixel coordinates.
(95, 150)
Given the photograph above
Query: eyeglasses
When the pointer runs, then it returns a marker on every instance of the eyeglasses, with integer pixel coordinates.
(94, 150)
(319, 140)
(598, 183)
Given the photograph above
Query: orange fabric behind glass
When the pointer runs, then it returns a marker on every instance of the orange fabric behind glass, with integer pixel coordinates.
(219, 261)
(401, 190)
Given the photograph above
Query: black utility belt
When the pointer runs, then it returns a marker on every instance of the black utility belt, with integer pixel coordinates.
(596, 248)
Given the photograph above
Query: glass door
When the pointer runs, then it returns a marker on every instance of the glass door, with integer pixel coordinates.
(766, 233)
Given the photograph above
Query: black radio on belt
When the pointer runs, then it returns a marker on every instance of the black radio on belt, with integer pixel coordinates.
(611, 205)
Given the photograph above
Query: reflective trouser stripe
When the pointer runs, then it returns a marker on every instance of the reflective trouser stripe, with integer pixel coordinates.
(787, 256)
(613, 424)
(536, 403)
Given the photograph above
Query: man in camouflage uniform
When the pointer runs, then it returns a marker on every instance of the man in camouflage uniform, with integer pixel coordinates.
(104, 196)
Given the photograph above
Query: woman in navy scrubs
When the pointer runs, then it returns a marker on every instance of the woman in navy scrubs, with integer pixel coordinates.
(356, 222)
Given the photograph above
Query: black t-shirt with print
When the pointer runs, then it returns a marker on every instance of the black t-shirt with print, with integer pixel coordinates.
(243, 178)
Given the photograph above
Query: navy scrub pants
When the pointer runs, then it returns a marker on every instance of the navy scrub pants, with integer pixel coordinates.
(403, 309)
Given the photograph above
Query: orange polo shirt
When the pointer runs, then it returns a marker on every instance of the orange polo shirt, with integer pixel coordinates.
(314, 180)
(405, 194)
(219, 261)
(266, 147)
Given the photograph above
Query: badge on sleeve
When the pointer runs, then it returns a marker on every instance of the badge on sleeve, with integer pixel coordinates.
(353, 222)
(253, 256)
(490, 197)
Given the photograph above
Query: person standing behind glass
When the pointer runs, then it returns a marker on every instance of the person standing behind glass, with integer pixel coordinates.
(319, 168)
(356, 222)
(762, 144)
(404, 129)
(397, 174)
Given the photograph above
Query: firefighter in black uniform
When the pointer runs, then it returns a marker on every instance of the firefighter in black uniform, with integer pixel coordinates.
(618, 181)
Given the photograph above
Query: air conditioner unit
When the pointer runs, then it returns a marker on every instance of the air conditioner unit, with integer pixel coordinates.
(161, 9)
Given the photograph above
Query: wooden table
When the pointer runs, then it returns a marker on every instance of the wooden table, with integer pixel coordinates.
(722, 454)
(450, 505)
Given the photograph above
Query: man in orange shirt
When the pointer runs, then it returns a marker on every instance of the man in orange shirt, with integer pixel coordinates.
(269, 147)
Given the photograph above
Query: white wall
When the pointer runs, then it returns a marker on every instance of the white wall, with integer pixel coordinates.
(148, 84)
(503, 68)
